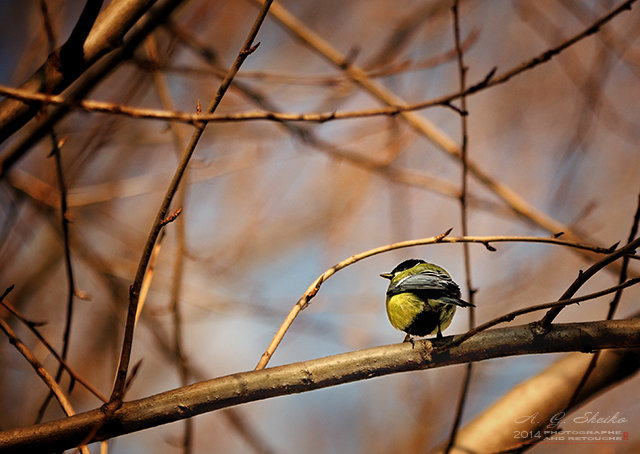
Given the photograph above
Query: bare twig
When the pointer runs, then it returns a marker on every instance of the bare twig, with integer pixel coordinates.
(464, 148)
(172, 217)
(613, 305)
(32, 326)
(300, 79)
(51, 383)
(540, 307)
(550, 53)
(148, 276)
(195, 118)
(633, 233)
(516, 202)
(48, 27)
(71, 288)
(76, 39)
(179, 356)
(39, 368)
(134, 293)
(545, 323)
(313, 289)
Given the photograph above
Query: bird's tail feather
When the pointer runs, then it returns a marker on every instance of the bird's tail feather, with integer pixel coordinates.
(456, 301)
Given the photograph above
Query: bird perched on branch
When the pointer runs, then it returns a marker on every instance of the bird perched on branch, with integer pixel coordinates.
(421, 298)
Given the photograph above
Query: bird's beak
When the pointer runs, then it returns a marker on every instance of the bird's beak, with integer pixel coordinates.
(387, 275)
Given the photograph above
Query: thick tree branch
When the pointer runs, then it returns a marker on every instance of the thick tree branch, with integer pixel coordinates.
(81, 89)
(82, 49)
(320, 373)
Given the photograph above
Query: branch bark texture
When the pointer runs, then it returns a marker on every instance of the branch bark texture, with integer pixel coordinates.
(305, 376)
(59, 70)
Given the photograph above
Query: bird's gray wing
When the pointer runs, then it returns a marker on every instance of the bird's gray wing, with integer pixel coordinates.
(426, 281)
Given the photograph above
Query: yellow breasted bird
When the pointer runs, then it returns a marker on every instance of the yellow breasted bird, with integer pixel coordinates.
(421, 298)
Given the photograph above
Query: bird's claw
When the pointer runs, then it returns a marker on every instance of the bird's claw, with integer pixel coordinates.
(408, 338)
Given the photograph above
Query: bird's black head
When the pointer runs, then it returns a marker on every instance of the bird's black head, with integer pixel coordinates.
(406, 265)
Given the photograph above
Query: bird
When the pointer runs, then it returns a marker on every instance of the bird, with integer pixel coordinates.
(422, 298)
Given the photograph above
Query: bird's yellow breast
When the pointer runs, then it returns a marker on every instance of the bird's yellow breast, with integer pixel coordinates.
(402, 309)
(409, 313)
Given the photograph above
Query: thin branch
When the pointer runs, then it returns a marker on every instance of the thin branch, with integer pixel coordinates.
(172, 217)
(320, 373)
(134, 292)
(178, 350)
(613, 306)
(540, 307)
(464, 148)
(550, 53)
(39, 368)
(51, 383)
(396, 106)
(288, 78)
(313, 289)
(55, 151)
(148, 275)
(516, 202)
(32, 326)
(633, 233)
(48, 26)
(195, 119)
(64, 222)
(71, 287)
(545, 323)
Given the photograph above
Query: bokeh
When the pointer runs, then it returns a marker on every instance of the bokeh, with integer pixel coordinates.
(267, 206)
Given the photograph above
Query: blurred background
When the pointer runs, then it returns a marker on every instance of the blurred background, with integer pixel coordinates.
(268, 206)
